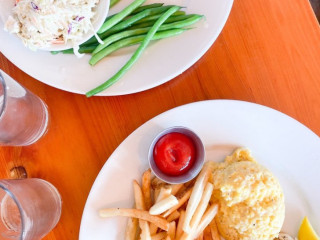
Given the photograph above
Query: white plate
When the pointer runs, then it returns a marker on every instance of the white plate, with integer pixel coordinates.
(283, 145)
(161, 62)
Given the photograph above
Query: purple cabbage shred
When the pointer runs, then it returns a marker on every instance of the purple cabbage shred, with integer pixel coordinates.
(34, 6)
(78, 19)
(69, 28)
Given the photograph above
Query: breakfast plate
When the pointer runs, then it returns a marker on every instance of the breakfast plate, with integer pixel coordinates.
(283, 145)
(161, 62)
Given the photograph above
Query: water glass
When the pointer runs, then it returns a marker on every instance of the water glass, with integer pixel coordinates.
(23, 115)
(30, 208)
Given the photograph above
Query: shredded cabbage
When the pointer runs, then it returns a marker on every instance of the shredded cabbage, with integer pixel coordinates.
(43, 23)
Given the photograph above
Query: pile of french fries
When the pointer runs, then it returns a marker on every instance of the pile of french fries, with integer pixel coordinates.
(171, 212)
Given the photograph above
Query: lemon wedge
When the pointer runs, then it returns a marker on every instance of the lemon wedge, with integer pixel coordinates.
(306, 231)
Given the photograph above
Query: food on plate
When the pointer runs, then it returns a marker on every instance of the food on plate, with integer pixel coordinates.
(250, 197)
(146, 188)
(42, 23)
(135, 213)
(284, 236)
(174, 153)
(167, 215)
(135, 24)
(113, 20)
(136, 55)
(113, 2)
(306, 231)
(237, 199)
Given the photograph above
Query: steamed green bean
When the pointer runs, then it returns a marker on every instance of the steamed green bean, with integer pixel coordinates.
(128, 22)
(121, 15)
(132, 41)
(134, 32)
(171, 19)
(155, 17)
(136, 54)
(145, 7)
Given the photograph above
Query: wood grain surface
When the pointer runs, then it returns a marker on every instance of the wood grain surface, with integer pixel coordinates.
(268, 53)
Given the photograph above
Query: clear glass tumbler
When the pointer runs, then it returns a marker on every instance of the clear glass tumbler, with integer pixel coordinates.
(23, 116)
(30, 208)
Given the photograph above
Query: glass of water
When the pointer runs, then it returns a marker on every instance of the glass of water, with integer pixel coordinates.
(23, 116)
(30, 208)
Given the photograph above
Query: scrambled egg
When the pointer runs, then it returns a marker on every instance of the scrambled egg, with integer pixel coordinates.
(250, 197)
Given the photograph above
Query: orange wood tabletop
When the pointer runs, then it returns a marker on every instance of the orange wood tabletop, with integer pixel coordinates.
(267, 53)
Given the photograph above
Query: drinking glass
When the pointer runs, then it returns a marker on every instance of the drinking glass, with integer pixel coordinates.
(23, 116)
(30, 208)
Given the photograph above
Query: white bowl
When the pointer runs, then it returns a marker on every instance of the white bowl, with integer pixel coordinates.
(101, 15)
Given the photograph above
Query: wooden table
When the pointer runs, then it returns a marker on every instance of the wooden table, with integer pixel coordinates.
(268, 53)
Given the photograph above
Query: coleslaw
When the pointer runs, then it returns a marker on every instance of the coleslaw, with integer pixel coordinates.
(41, 23)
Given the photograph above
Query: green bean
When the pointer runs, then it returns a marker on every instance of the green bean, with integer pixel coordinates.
(107, 18)
(155, 17)
(132, 41)
(121, 15)
(171, 19)
(118, 36)
(128, 22)
(136, 54)
(113, 2)
(145, 7)
(139, 9)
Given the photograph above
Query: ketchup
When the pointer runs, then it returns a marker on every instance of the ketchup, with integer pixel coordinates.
(174, 154)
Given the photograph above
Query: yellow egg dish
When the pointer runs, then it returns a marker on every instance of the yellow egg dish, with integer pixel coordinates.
(250, 197)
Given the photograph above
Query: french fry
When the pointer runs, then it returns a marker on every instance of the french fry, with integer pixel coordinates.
(165, 192)
(140, 204)
(172, 230)
(200, 236)
(168, 238)
(163, 205)
(176, 188)
(181, 191)
(198, 214)
(190, 183)
(138, 196)
(173, 216)
(206, 219)
(196, 195)
(182, 200)
(131, 229)
(186, 236)
(135, 213)
(157, 183)
(180, 223)
(210, 179)
(156, 193)
(138, 233)
(146, 188)
(153, 229)
(202, 206)
(214, 230)
(207, 233)
(145, 230)
(160, 194)
(159, 236)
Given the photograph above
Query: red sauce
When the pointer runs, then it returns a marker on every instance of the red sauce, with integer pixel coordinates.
(174, 154)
